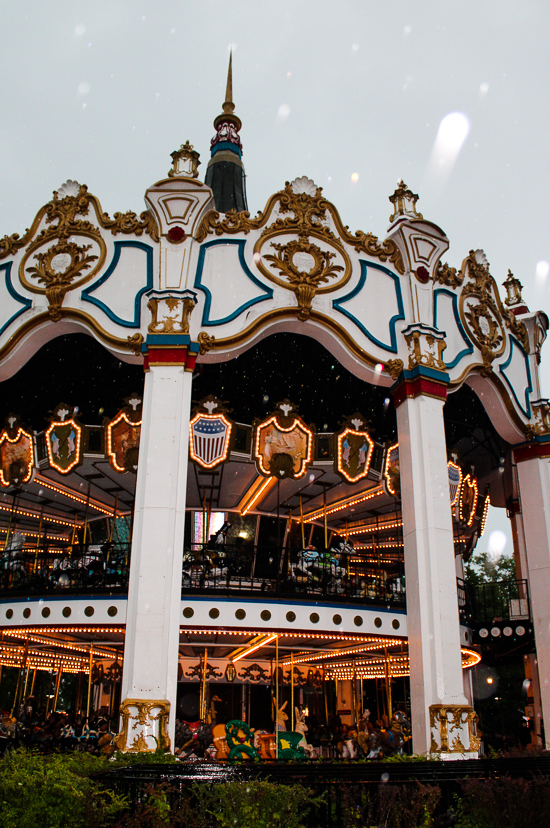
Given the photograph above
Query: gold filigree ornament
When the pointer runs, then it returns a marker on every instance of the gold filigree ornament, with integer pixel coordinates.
(483, 314)
(137, 714)
(304, 267)
(57, 268)
(449, 719)
(300, 209)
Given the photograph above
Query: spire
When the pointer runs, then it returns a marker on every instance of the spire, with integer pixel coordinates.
(229, 106)
(225, 171)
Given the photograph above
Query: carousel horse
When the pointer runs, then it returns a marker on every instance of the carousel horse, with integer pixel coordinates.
(239, 738)
(197, 738)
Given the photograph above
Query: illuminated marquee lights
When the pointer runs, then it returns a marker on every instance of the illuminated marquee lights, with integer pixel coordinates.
(392, 457)
(344, 504)
(29, 465)
(484, 516)
(297, 425)
(67, 492)
(259, 489)
(455, 481)
(375, 644)
(254, 645)
(372, 528)
(207, 449)
(77, 446)
(64, 645)
(470, 484)
(36, 515)
(341, 467)
(111, 450)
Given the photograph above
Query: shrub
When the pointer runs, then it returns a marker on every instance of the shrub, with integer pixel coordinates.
(515, 803)
(54, 791)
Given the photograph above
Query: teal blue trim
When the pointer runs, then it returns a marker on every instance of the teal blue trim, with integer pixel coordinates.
(206, 321)
(225, 145)
(337, 303)
(167, 339)
(465, 351)
(502, 368)
(27, 303)
(423, 371)
(85, 295)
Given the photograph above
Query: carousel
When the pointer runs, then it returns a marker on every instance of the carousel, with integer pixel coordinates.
(201, 556)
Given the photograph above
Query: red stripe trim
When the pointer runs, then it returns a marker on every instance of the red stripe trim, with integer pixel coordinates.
(418, 386)
(530, 450)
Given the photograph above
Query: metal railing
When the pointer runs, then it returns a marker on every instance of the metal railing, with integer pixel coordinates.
(493, 602)
(71, 568)
(331, 573)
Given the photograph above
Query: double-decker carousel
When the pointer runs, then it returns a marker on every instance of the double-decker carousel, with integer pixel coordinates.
(293, 584)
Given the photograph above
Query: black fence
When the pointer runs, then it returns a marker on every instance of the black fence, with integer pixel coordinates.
(71, 568)
(344, 790)
(332, 573)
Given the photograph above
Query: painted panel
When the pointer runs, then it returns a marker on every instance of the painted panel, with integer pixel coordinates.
(227, 282)
(118, 293)
(447, 319)
(518, 376)
(12, 304)
(375, 305)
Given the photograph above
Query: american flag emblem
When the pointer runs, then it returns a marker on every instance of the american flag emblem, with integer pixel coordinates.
(209, 439)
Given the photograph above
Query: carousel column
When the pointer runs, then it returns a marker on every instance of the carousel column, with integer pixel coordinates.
(442, 720)
(533, 465)
(149, 682)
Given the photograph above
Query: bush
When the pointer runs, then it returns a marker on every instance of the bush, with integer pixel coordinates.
(54, 791)
(514, 803)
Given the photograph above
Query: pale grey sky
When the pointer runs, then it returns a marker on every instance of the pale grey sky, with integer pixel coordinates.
(103, 91)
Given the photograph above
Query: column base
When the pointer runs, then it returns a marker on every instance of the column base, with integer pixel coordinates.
(149, 730)
(453, 732)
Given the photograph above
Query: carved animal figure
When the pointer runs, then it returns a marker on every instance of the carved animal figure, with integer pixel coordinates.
(302, 728)
(280, 717)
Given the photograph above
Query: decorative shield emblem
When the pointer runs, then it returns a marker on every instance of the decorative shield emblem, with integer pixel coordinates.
(16, 454)
(467, 500)
(64, 440)
(122, 436)
(283, 444)
(354, 448)
(210, 434)
(455, 479)
(392, 479)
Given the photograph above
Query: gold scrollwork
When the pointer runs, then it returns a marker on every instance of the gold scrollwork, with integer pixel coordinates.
(447, 275)
(58, 268)
(135, 342)
(171, 323)
(300, 212)
(65, 205)
(305, 266)
(206, 342)
(462, 717)
(143, 718)
(394, 367)
(422, 353)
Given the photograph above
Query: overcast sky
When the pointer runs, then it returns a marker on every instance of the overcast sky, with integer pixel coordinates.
(351, 94)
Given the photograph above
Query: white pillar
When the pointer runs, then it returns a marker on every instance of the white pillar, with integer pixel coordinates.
(432, 606)
(149, 683)
(534, 490)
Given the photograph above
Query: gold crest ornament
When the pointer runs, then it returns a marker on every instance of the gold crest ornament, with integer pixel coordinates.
(122, 435)
(483, 314)
(210, 432)
(16, 454)
(283, 444)
(64, 439)
(392, 478)
(353, 449)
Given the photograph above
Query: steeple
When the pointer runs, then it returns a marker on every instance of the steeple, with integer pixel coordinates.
(225, 172)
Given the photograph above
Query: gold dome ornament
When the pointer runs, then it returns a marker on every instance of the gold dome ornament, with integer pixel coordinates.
(185, 162)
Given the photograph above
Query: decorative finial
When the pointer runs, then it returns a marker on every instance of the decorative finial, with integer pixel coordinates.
(404, 202)
(229, 106)
(185, 162)
(514, 299)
